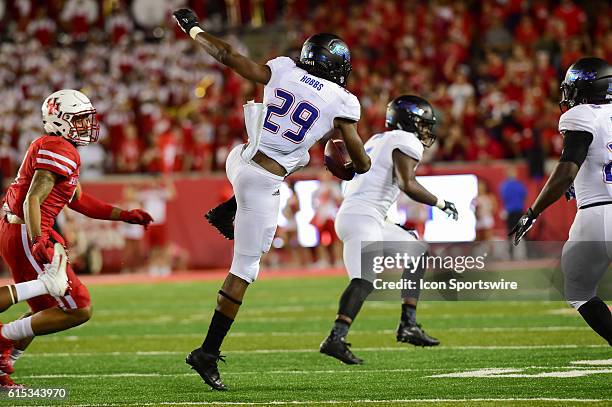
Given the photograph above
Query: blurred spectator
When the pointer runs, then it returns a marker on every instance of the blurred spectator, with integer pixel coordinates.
(513, 194)
(79, 16)
(289, 232)
(460, 91)
(155, 201)
(326, 201)
(485, 207)
(93, 158)
(133, 236)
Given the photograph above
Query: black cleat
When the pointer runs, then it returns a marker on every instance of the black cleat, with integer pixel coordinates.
(338, 348)
(222, 219)
(415, 335)
(206, 366)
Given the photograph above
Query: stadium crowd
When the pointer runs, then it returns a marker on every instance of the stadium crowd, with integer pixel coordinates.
(491, 69)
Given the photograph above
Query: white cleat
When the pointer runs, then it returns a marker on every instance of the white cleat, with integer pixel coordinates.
(54, 277)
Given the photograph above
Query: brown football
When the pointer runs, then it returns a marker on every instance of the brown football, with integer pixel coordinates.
(337, 160)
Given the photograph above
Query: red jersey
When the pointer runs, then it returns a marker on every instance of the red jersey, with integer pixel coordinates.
(55, 154)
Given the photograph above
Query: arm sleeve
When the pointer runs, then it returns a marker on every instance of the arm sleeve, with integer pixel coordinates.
(409, 145)
(278, 66)
(57, 159)
(576, 146)
(349, 107)
(580, 118)
(92, 207)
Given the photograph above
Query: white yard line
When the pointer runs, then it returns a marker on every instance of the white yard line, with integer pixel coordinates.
(471, 373)
(309, 350)
(501, 373)
(604, 362)
(322, 333)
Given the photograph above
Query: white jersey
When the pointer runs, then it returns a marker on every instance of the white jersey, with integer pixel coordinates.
(374, 192)
(301, 110)
(593, 183)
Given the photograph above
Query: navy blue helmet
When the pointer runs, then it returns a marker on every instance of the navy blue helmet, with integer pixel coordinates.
(588, 80)
(413, 114)
(326, 56)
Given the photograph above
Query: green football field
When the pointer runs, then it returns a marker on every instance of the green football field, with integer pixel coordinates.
(132, 351)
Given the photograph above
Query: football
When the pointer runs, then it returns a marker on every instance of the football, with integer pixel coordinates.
(337, 159)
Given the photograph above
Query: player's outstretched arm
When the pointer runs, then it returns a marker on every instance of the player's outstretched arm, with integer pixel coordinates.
(40, 188)
(404, 167)
(92, 207)
(560, 180)
(354, 145)
(575, 149)
(221, 50)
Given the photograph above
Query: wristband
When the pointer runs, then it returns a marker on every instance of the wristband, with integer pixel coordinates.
(441, 203)
(195, 31)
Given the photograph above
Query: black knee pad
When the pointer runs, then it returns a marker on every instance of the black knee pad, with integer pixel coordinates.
(353, 297)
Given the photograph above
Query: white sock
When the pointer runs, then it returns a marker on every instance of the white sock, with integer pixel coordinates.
(30, 289)
(16, 354)
(16, 330)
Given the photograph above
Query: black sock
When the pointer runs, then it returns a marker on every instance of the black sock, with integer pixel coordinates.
(597, 314)
(353, 297)
(341, 328)
(409, 314)
(219, 325)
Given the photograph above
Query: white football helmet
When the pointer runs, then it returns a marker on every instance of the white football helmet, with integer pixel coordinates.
(69, 113)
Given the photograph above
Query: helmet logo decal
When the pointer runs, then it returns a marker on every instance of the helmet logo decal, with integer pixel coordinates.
(576, 74)
(411, 107)
(339, 48)
(53, 106)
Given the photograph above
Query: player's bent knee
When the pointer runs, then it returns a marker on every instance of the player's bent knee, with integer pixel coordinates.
(245, 267)
(79, 316)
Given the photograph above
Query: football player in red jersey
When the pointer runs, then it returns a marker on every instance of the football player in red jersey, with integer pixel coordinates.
(46, 182)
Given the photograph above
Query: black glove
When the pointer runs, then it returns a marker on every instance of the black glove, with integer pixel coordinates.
(570, 193)
(450, 210)
(186, 19)
(522, 226)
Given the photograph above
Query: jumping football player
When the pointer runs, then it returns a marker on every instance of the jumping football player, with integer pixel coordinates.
(586, 161)
(305, 100)
(395, 155)
(46, 182)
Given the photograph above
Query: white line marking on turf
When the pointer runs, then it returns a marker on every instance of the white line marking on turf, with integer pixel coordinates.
(320, 333)
(604, 362)
(485, 372)
(349, 402)
(309, 350)
(504, 373)
(244, 373)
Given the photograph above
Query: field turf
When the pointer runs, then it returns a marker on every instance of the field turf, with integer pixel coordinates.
(132, 351)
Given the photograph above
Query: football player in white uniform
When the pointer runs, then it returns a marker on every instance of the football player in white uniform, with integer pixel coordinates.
(586, 161)
(395, 155)
(305, 100)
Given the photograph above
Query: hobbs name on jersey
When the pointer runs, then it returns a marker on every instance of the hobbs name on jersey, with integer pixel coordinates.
(312, 82)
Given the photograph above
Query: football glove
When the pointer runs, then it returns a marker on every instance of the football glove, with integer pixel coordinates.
(450, 210)
(522, 226)
(186, 19)
(570, 193)
(137, 217)
(39, 250)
